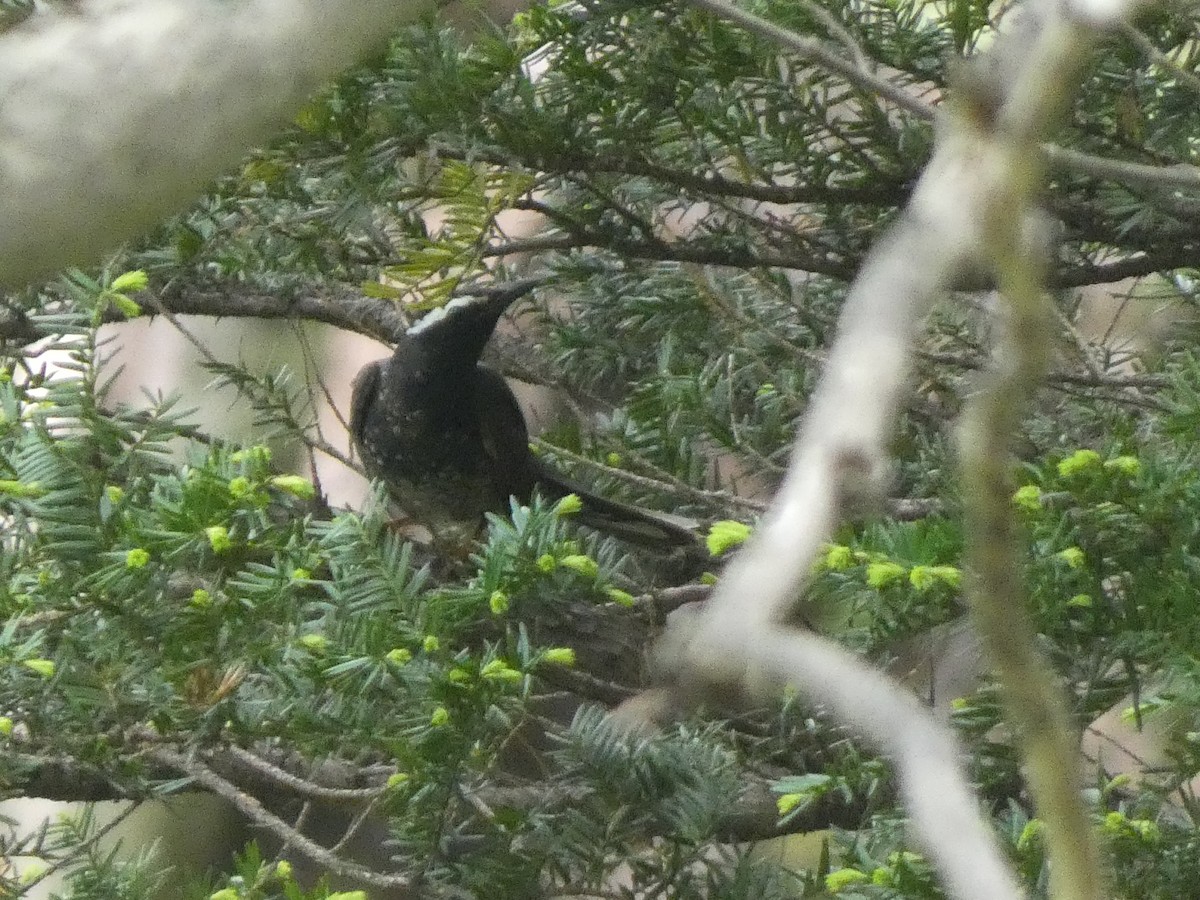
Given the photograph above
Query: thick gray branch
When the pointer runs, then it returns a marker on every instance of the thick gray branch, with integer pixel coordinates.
(116, 115)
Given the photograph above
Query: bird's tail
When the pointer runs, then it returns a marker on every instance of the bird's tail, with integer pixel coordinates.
(656, 531)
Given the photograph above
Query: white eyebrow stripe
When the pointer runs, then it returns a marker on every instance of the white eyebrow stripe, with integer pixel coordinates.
(434, 316)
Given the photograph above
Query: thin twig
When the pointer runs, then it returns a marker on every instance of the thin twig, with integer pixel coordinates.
(841, 32)
(297, 785)
(92, 841)
(821, 53)
(253, 810)
(673, 486)
(996, 592)
(1155, 55)
(1176, 177)
(353, 828)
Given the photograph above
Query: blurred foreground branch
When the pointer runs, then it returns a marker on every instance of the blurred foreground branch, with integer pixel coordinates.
(116, 115)
(971, 208)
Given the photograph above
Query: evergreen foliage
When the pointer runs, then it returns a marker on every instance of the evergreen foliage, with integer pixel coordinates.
(707, 196)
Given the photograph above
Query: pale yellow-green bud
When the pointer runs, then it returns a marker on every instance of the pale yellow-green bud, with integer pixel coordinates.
(881, 574)
(313, 643)
(43, 667)
(130, 282)
(568, 505)
(499, 670)
(560, 656)
(218, 538)
(1079, 461)
(579, 562)
(840, 879)
(725, 535)
(295, 485)
(498, 603)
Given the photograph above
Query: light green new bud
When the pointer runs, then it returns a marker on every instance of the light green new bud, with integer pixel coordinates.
(498, 603)
(568, 505)
(840, 879)
(218, 538)
(295, 485)
(20, 489)
(881, 574)
(838, 558)
(499, 670)
(560, 656)
(1031, 832)
(1074, 557)
(130, 282)
(1079, 461)
(785, 803)
(43, 667)
(33, 871)
(1126, 465)
(725, 535)
(620, 597)
(1028, 497)
(580, 563)
(313, 643)
(924, 577)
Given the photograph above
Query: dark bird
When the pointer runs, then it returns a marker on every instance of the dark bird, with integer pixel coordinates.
(445, 434)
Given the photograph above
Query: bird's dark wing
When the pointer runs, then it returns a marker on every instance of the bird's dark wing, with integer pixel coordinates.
(505, 440)
(363, 394)
(516, 472)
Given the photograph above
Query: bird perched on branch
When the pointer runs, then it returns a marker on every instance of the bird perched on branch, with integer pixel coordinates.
(445, 433)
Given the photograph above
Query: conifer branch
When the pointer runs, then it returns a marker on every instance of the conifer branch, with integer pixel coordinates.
(250, 807)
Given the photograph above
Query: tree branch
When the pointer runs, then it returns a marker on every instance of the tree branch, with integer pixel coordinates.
(822, 54)
(253, 810)
(740, 642)
(172, 95)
